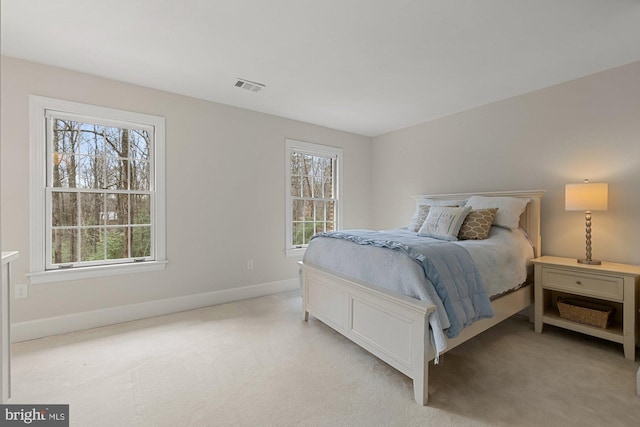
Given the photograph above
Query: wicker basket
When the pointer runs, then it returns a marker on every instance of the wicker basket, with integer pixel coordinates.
(586, 312)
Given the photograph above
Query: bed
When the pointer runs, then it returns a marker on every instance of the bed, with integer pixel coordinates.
(403, 330)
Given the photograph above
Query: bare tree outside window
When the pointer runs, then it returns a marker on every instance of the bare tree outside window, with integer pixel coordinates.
(313, 195)
(100, 189)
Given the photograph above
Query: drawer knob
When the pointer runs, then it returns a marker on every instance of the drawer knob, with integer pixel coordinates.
(578, 282)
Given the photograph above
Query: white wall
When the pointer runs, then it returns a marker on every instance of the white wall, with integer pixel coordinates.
(225, 191)
(586, 128)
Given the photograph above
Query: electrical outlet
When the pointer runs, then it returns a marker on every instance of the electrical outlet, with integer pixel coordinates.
(249, 264)
(21, 291)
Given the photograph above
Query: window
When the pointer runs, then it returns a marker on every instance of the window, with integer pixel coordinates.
(313, 205)
(97, 191)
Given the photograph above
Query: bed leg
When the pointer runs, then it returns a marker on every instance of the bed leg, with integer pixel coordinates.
(421, 390)
(421, 387)
(531, 312)
(304, 287)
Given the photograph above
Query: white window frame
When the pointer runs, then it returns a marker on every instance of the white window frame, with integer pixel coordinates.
(38, 229)
(317, 149)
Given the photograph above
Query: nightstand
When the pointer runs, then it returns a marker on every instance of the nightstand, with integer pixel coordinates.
(615, 285)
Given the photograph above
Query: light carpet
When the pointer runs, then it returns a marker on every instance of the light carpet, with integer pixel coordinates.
(255, 363)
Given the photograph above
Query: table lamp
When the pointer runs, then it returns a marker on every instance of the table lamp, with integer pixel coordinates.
(587, 197)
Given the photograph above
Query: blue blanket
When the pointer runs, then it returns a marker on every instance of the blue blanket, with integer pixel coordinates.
(448, 267)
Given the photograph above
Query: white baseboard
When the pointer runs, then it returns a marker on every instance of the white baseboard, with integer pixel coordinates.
(32, 329)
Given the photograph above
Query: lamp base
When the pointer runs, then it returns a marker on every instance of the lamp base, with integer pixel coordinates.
(589, 261)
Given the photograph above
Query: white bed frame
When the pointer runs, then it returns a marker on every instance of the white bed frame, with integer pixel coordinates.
(394, 327)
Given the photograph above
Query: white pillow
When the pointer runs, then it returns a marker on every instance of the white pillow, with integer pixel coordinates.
(422, 210)
(444, 222)
(509, 209)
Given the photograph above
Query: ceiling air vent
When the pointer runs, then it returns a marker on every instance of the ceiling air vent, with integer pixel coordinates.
(249, 85)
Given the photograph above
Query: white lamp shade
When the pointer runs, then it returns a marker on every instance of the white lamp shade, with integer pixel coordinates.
(588, 196)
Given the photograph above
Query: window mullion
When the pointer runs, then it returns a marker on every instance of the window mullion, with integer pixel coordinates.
(129, 229)
(49, 151)
(105, 214)
(78, 226)
(49, 227)
(129, 236)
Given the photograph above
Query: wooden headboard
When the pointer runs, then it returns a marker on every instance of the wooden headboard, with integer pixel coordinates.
(529, 220)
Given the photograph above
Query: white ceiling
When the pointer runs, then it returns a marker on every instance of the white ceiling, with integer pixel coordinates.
(363, 66)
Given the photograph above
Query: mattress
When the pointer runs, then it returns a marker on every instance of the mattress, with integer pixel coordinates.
(503, 261)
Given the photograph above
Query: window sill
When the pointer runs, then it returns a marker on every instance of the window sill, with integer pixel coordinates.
(295, 253)
(79, 273)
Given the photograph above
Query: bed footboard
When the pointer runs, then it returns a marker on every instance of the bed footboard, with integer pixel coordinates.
(392, 327)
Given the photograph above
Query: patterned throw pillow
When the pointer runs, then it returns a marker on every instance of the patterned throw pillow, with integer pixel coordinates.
(422, 211)
(477, 224)
(421, 215)
(443, 222)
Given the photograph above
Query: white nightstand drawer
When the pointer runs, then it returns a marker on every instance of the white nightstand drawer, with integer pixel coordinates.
(594, 285)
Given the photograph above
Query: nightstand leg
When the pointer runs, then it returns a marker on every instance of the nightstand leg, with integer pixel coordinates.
(629, 318)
